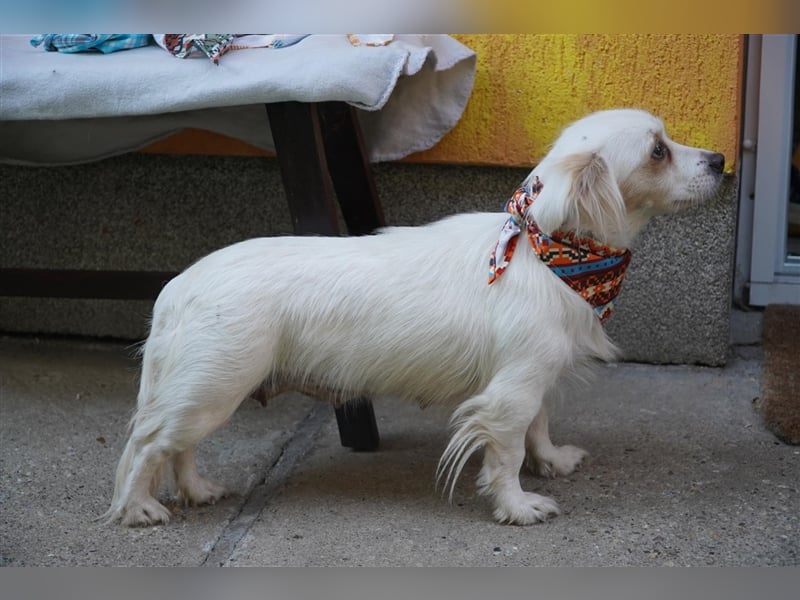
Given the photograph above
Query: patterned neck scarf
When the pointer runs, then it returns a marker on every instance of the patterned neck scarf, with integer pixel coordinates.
(593, 270)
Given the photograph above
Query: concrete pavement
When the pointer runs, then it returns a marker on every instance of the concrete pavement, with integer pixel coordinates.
(682, 473)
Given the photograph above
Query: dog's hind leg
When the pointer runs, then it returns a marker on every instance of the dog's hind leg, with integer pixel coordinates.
(497, 420)
(137, 479)
(545, 459)
(193, 488)
(167, 429)
(163, 432)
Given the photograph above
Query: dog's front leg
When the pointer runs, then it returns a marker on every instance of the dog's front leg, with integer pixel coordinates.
(545, 459)
(499, 478)
(497, 420)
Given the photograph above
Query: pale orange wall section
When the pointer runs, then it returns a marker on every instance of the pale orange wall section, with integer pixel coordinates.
(528, 86)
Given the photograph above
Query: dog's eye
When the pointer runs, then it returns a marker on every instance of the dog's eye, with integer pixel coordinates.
(660, 152)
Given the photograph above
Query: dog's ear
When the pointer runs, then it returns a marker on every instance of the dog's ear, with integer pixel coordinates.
(581, 194)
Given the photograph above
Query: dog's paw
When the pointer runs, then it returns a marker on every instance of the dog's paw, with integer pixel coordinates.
(144, 513)
(525, 508)
(558, 462)
(201, 491)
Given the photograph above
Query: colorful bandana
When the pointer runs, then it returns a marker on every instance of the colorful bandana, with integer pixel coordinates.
(593, 270)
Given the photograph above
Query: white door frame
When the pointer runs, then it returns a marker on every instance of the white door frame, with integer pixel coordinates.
(764, 273)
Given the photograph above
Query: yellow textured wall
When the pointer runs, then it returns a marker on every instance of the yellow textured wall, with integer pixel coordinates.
(528, 86)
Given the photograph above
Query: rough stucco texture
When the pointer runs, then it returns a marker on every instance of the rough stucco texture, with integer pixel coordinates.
(675, 303)
(527, 87)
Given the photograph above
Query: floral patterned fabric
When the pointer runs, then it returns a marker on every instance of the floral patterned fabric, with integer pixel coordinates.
(214, 45)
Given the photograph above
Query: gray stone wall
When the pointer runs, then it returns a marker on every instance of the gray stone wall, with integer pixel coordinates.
(164, 212)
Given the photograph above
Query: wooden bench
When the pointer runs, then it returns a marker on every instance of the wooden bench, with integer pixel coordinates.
(322, 160)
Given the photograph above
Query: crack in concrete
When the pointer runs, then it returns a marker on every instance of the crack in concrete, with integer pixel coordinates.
(259, 497)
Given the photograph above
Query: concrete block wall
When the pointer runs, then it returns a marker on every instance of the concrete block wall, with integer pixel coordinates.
(163, 212)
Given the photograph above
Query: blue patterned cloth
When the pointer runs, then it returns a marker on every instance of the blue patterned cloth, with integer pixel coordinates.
(85, 42)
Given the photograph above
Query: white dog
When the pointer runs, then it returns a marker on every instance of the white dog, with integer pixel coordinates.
(408, 313)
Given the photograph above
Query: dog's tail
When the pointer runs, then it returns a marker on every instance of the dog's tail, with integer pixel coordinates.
(122, 480)
(115, 510)
(125, 465)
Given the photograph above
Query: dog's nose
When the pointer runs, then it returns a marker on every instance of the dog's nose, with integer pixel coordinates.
(716, 161)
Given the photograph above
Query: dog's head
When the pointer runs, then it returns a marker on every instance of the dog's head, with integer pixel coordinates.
(610, 172)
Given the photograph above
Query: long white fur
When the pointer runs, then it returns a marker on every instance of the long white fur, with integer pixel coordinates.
(406, 313)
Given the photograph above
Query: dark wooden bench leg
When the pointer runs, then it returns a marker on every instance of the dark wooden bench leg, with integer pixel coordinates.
(319, 149)
(350, 169)
(357, 426)
(297, 134)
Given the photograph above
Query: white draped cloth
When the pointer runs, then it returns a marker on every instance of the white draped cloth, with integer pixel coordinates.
(58, 108)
